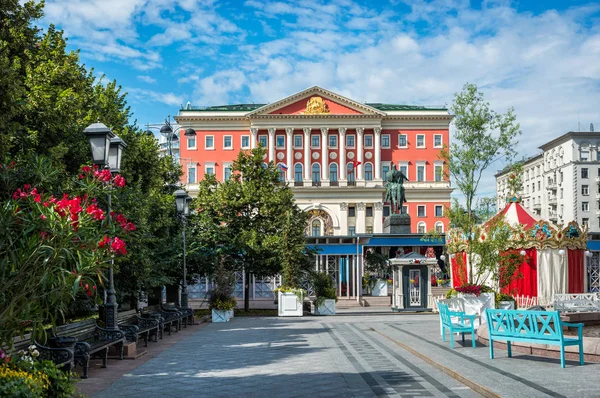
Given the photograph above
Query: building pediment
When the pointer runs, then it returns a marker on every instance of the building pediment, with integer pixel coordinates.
(316, 101)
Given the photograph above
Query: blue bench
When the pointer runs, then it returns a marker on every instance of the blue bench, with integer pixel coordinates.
(542, 327)
(459, 325)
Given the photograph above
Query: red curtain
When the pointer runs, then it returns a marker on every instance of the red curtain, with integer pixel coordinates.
(525, 281)
(576, 270)
(459, 269)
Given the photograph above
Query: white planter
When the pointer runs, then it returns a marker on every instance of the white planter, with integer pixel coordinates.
(230, 314)
(506, 305)
(380, 288)
(327, 308)
(288, 305)
(220, 316)
(477, 305)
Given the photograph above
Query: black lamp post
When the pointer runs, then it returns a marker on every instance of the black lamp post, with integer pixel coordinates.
(107, 149)
(182, 203)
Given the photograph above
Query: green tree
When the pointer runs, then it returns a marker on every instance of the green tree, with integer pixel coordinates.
(482, 136)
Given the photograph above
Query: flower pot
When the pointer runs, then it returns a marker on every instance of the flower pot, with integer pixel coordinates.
(380, 288)
(220, 315)
(506, 305)
(288, 304)
(327, 308)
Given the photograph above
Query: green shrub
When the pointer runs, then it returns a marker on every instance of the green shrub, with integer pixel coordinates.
(505, 297)
(322, 284)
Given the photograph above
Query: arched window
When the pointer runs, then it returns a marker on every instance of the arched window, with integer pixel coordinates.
(281, 171)
(351, 174)
(315, 227)
(421, 227)
(298, 172)
(368, 172)
(316, 172)
(333, 172)
(439, 227)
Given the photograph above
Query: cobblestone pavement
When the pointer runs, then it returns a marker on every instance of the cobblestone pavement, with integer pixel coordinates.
(287, 357)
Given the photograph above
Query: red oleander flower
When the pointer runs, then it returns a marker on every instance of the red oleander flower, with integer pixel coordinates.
(119, 181)
(118, 246)
(104, 242)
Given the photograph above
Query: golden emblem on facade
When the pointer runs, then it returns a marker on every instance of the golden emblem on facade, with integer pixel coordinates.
(316, 106)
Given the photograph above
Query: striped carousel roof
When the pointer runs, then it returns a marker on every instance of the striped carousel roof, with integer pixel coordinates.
(515, 214)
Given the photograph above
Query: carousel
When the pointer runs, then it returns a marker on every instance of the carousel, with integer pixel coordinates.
(553, 257)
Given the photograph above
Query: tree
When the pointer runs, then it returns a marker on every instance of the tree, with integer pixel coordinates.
(253, 219)
(482, 137)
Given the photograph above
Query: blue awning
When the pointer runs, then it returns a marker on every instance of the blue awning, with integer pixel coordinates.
(339, 249)
(594, 245)
(404, 241)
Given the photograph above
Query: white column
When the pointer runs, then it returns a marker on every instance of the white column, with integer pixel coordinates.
(325, 158)
(253, 137)
(359, 154)
(348, 280)
(360, 217)
(377, 139)
(343, 218)
(289, 141)
(342, 161)
(307, 153)
(271, 145)
(358, 283)
(378, 218)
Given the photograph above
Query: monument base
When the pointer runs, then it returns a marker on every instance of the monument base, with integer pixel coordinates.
(396, 224)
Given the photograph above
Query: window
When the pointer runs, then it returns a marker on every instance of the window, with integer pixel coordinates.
(420, 173)
(333, 172)
(585, 206)
(585, 190)
(316, 172)
(368, 172)
(439, 210)
(226, 172)
(350, 168)
(298, 172)
(352, 230)
(584, 172)
(316, 228)
(209, 142)
(191, 175)
(315, 141)
(385, 140)
(245, 141)
(368, 141)
(384, 170)
(420, 141)
(351, 211)
(350, 141)
(280, 141)
(585, 222)
(210, 169)
(402, 141)
(333, 141)
(281, 171)
(262, 141)
(439, 172)
(439, 227)
(227, 142)
(369, 211)
(584, 154)
(297, 141)
(437, 141)
(533, 188)
(421, 228)
(421, 211)
(191, 142)
(386, 211)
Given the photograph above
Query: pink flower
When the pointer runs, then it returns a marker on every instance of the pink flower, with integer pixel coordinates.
(119, 181)
(104, 242)
(43, 217)
(118, 246)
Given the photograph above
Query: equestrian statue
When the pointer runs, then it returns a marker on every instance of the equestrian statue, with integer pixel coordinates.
(394, 190)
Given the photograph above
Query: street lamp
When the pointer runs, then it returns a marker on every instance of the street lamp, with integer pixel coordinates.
(182, 204)
(107, 149)
(167, 131)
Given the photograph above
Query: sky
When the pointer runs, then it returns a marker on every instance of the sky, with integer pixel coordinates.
(540, 57)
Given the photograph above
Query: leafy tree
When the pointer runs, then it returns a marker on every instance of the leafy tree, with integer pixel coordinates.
(482, 136)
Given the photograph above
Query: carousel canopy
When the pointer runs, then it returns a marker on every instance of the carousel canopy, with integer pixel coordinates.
(515, 214)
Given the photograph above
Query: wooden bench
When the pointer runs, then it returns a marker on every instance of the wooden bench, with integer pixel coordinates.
(542, 327)
(167, 319)
(90, 341)
(459, 325)
(63, 357)
(580, 302)
(134, 326)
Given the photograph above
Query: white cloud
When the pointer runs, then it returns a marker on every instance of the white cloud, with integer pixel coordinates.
(145, 96)
(147, 79)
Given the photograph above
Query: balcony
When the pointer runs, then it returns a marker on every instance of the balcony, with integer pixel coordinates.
(552, 215)
(298, 183)
(552, 200)
(537, 206)
(316, 183)
(334, 183)
(552, 185)
(351, 183)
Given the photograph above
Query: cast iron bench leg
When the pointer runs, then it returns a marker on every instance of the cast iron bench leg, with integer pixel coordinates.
(86, 365)
(105, 357)
(120, 347)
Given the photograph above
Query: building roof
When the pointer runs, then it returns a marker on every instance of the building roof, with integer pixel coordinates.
(570, 134)
(397, 107)
(252, 107)
(524, 162)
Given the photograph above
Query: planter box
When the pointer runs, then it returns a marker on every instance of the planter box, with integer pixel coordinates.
(288, 305)
(220, 316)
(506, 305)
(477, 305)
(328, 308)
(380, 288)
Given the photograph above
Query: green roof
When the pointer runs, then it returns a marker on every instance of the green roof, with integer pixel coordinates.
(224, 108)
(395, 107)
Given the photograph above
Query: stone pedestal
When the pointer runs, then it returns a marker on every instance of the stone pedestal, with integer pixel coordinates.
(396, 224)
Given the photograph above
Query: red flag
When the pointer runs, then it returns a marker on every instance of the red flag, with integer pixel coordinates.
(355, 163)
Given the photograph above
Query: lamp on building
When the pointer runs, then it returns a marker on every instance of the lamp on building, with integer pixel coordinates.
(107, 150)
(182, 204)
(170, 133)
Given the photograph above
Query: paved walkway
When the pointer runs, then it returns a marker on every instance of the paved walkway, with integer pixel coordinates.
(345, 356)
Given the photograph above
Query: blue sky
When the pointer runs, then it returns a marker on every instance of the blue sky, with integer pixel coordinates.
(541, 57)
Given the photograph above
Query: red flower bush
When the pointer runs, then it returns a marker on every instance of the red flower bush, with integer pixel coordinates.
(470, 289)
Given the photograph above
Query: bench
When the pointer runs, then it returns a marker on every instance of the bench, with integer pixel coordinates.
(186, 313)
(580, 302)
(63, 357)
(167, 319)
(90, 341)
(542, 327)
(134, 326)
(459, 325)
